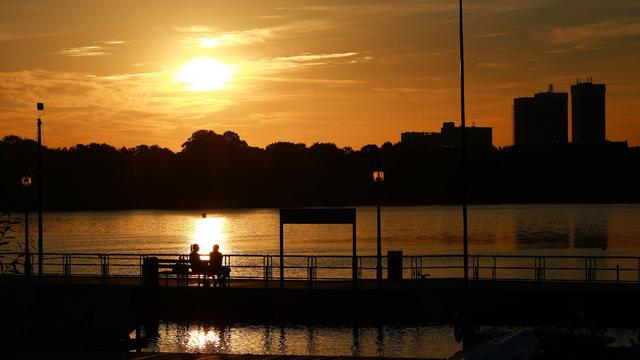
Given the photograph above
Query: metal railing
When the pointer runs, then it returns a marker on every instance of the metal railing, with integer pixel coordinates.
(588, 269)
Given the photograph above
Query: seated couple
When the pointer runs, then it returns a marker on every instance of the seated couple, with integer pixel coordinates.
(219, 274)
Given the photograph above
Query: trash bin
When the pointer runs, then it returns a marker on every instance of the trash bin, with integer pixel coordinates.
(394, 265)
(150, 271)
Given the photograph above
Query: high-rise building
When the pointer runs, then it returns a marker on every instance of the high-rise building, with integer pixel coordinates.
(523, 121)
(541, 120)
(588, 113)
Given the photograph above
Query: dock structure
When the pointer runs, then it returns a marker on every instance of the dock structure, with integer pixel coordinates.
(113, 293)
(428, 301)
(103, 309)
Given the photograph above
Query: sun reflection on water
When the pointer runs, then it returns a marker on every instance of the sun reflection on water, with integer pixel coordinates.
(203, 339)
(209, 231)
(315, 340)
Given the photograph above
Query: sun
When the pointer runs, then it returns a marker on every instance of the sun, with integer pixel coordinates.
(208, 232)
(204, 74)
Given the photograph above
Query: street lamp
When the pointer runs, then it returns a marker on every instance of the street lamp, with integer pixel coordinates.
(40, 108)
(463, 165)
(466, 324)
(378, 178)
(26, 182)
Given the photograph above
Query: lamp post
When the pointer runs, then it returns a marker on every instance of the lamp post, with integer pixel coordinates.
(463, 130)
(467, 322)
(26, 182)
(378, 178)
(40, 108)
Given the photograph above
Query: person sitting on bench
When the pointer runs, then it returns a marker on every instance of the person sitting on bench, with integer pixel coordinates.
(198, 267)
(218, 272)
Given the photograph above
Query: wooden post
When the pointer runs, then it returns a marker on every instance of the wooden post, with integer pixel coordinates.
(354, 259)
(281, 254)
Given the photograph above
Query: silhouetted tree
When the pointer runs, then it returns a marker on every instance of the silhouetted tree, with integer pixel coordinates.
(8, 263)
(213, 170)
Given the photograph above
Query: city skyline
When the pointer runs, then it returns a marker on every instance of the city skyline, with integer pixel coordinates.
(347, 72)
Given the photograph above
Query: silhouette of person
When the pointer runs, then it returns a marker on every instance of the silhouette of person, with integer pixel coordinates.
(219, 273)
(197, 265)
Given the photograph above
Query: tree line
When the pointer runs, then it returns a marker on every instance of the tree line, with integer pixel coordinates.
(222, 171)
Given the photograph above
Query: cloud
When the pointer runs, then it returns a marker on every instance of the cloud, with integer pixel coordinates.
(19, 7)
(235, 38)
(276, 118)
(91, 50)
(84, 51)
(8, 36)
(193, 29)
(303, 27)
(402, 90)
(591, 32)
(579, 47)
(499, 6)
(489, 35)
(314, 57)
(304, 60)
(331, 82)
(409, 7)
(208, 37)
(86, 107)
(149, 92)
(395, 9)
(272, 17)
(493, 65)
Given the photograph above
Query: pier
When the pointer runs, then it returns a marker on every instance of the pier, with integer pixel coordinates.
(320, 268)
(505, 290)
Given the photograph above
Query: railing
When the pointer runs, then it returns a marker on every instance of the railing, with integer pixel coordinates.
(322, 268)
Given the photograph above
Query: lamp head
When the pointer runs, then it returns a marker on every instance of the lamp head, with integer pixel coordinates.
(378, 176)
(26, 181)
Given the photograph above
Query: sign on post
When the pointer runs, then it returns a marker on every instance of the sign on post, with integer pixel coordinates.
(319, 216)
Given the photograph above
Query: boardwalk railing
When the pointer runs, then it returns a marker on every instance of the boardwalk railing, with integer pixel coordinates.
(320, 267)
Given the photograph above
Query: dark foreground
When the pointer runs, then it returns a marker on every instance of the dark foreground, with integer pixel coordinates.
(410, 301)
(173, 356)
(179, 356)
(83, 313)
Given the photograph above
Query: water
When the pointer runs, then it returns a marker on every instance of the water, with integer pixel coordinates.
(389, 341)
(500, 229)
(340, 340)
(496, 229)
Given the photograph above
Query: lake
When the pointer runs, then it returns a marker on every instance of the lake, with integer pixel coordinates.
(389, 341)
(564, 229)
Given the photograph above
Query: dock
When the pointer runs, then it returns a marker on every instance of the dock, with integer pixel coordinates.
(104, 298)
(428, 301)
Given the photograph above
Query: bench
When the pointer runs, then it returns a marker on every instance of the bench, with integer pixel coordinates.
(182, 270)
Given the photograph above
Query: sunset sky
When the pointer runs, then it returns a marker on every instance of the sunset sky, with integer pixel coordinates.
(344, 71)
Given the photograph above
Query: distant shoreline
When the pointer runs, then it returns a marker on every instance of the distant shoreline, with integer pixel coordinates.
(224, 172)
(200, 210)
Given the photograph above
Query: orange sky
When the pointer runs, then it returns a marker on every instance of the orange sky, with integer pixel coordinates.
(344, 71)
